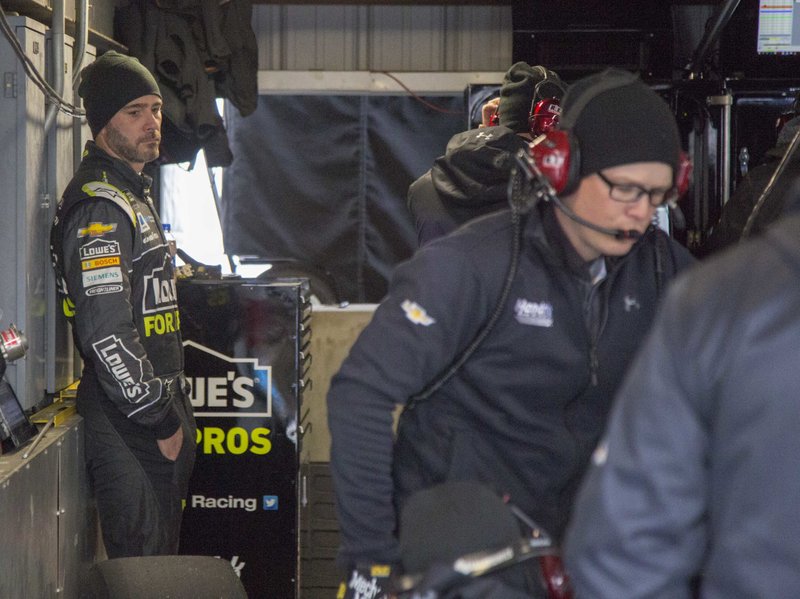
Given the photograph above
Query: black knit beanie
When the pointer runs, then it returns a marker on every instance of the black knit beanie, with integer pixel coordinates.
(520, 84)
(617, 119)
(111, 82)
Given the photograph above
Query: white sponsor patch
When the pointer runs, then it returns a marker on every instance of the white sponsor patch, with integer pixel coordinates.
(126, 369)
(98, 248)
(160, 292)
(538, 314)
(416, 313)
(102, 276)
(104, 289)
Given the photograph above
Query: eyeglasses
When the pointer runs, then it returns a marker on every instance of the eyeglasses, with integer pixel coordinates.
(630, 193)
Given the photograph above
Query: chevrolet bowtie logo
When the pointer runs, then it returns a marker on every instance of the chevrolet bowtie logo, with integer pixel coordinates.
(96, 229)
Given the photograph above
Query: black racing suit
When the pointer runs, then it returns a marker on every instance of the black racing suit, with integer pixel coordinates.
(116, 284)
(470, 180)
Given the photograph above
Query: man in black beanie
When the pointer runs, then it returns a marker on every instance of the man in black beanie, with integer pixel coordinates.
(520, 406)
(470, 179)
(116, 283)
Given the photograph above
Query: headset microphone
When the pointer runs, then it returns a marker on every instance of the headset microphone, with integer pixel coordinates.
(619, 234)
(542, 189)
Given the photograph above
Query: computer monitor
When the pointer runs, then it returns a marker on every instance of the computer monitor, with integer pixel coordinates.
(762, 41)
(778, 27)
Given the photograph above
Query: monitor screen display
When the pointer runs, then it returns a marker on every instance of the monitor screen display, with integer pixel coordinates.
(778, 27)
(762, 41)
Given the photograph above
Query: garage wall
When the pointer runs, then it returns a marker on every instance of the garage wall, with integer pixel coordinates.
(379, 38)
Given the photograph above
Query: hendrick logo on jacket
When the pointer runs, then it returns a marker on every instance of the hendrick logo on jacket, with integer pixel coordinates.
(537, 314)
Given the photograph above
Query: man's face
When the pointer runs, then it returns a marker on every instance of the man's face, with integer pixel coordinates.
(134, 133)
(592, 201)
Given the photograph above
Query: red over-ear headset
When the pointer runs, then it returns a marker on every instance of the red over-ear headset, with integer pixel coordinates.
(542, 117)
(545, 110)
(557, 152)
(557, 155)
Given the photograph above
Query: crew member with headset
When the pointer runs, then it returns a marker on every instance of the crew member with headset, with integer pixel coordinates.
(512, 334)
(471, 178)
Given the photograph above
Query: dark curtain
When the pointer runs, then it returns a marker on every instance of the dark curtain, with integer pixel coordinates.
(323, 180)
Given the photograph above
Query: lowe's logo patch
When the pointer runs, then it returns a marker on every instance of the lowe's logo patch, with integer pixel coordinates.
(98, 248)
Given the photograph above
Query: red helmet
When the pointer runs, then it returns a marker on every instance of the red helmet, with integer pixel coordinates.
(544, 116)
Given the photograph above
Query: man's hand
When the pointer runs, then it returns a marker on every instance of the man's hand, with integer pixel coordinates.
(171, 447)
(488, 111)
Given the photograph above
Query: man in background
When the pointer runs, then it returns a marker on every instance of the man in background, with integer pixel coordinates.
(471, 178)
(753, 207)
(116, 283)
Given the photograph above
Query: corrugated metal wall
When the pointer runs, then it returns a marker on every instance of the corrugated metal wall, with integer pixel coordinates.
(383, 38)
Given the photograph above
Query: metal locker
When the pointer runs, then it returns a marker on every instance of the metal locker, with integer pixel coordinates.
(24, 221)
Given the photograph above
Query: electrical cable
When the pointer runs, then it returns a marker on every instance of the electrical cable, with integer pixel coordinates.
(519, 207)
(33, 74)
(418, 97)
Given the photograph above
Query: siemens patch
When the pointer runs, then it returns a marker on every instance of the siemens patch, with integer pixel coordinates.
(102, 276)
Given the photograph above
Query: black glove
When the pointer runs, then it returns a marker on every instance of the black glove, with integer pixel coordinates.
(366, 582)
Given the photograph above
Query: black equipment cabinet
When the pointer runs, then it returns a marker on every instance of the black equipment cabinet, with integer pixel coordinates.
(246, 357)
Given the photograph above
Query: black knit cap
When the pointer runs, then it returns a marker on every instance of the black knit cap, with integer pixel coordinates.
(520, 84)
(617, 119)
(110, 83)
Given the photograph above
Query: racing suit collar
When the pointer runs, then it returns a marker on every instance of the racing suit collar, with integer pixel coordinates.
(140, 183)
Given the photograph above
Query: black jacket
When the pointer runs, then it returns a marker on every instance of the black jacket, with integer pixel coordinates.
(525, 411)
(470, 180)
(737, 212)
(116, 283)
(698, 470)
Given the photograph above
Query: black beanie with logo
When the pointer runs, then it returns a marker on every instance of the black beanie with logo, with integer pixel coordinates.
(523, 83)
(617, 119)
(110, 83)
